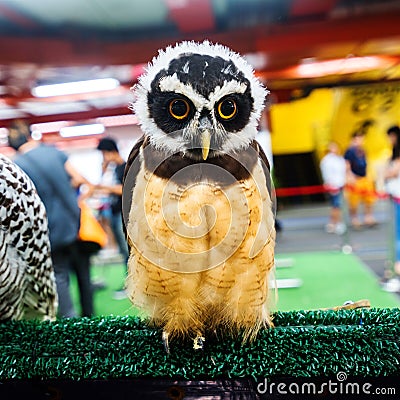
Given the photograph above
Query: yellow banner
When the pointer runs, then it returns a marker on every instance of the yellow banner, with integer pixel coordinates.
(309, 124)
(370, 108)
(302, 125)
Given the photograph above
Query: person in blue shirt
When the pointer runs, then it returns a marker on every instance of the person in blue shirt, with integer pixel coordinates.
(52, 173)
(360, 188)
(111, 155)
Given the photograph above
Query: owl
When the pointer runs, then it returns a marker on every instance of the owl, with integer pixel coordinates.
(27, 282)
(197, 203)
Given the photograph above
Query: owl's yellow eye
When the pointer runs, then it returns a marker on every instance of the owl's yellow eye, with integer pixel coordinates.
(179, 108)
(227, 109)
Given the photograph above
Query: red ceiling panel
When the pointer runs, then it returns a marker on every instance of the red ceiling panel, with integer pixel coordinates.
(300, 8)
(192, 16)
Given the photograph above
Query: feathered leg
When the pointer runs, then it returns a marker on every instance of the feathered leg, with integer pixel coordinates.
(170, 299)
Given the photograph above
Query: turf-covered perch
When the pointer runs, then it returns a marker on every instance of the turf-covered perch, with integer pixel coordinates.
(362, 342)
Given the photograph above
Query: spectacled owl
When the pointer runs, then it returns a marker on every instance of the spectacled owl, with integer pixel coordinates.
(197, 203)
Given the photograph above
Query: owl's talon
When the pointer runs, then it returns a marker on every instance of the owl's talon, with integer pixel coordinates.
(165, 341)
(198, 342)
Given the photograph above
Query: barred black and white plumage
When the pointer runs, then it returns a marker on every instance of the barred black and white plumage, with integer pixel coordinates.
(27, 283)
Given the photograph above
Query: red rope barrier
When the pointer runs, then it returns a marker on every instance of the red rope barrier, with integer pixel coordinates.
(300, 190)
(319, 189)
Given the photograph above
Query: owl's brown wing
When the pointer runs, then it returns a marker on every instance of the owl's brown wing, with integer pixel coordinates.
(129, 180)
(265, 166)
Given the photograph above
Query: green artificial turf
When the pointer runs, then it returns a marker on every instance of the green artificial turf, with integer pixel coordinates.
(113, 276)
(328, 279)
(302, 344)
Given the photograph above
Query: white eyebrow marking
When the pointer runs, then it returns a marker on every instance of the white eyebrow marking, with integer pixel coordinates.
(227, 88)
(173, 84)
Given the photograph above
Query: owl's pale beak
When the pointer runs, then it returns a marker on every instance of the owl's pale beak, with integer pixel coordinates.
(205, 127)
(205, 143)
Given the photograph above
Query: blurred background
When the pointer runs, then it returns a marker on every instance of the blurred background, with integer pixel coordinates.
(332, 67)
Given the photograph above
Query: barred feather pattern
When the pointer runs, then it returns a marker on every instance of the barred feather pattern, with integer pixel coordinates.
(27, 282)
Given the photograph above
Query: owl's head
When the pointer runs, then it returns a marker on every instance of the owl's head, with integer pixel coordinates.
(200, 99)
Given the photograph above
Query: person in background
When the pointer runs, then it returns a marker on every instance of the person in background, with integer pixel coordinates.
(104, 206)
(333, 170)
(360, 187)
(392, 179)
(52, 174)
(110, 152)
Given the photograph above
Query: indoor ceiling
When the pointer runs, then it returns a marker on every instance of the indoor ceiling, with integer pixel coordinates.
(47, 42)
